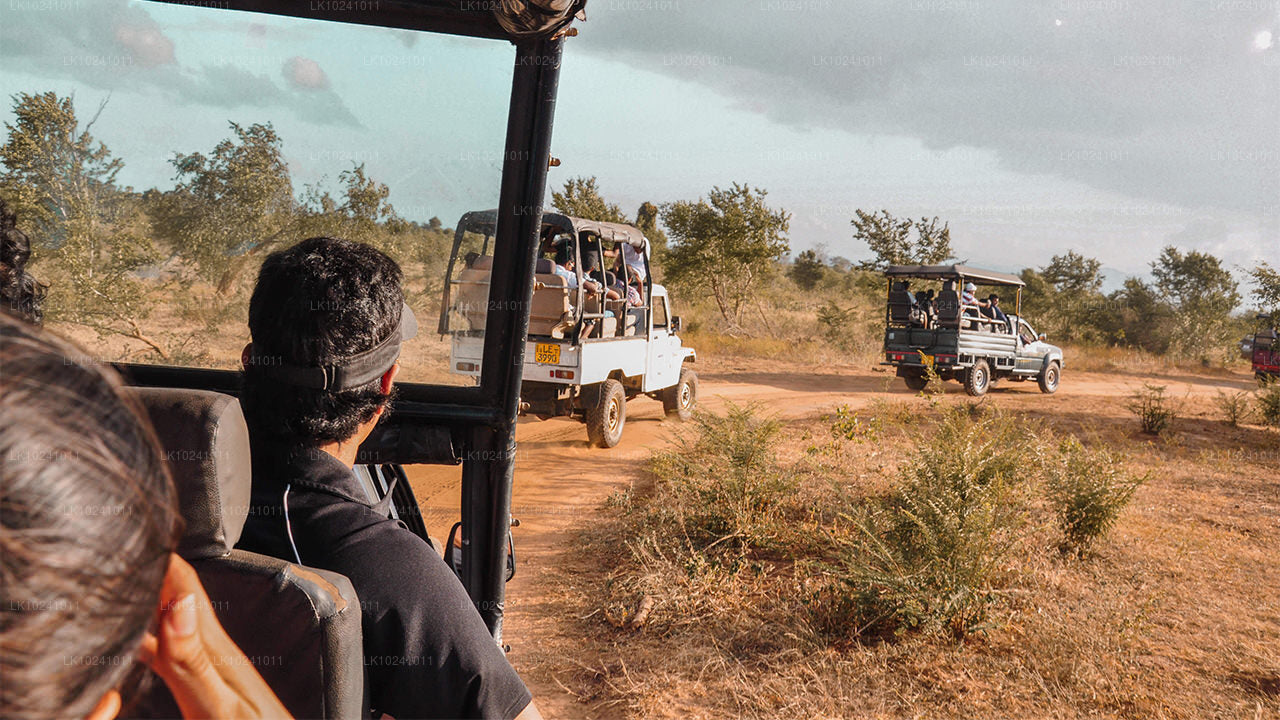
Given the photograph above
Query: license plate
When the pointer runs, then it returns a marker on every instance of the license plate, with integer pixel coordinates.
(547, 354)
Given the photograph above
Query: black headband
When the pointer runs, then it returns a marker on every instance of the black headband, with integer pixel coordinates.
(350, 372)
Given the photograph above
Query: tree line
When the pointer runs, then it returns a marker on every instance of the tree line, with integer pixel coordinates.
(102, 247)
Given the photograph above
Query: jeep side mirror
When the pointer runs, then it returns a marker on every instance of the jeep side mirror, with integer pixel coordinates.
(676, 323)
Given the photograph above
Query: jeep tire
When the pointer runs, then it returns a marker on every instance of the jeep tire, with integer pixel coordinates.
(915, 382)
(978, 379)
(1050, 378)
(606, 418)
(680, 399)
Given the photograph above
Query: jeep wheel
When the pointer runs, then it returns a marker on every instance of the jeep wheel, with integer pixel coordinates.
(606, 418)
(916, 383)
(1049, 378)
(978, 380)
(680, 399)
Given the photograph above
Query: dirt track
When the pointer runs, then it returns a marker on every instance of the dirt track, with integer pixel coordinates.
(560, 481)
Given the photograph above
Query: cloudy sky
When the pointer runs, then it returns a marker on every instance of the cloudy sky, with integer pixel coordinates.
(1111, 127)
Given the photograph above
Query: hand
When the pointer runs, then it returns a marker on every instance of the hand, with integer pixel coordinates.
(205, 670)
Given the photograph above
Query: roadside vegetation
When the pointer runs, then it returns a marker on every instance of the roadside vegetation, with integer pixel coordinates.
(930, 557)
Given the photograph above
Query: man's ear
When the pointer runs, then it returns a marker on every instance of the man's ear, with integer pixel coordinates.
(388, 377)
(245, 354)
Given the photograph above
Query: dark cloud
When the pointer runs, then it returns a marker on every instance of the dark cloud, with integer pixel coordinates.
(1176, 102)
(113, 45)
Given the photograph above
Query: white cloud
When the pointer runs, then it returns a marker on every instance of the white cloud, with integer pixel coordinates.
(305, 74)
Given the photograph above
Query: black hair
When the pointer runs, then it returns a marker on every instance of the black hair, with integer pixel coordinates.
(88, 518)
(20, 293)
(316, 303)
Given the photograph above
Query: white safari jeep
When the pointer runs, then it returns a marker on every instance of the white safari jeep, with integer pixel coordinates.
(591, 346)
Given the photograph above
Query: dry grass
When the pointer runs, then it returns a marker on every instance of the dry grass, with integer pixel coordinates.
(1172, 616)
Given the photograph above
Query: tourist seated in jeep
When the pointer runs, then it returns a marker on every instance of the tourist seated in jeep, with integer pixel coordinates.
(992, 309)
(92, 598)
(327, 319)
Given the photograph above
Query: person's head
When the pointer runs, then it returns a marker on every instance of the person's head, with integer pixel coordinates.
(564, 256)
(970, 287)
(321, 304)
(470, 258)
(994, 299)
(89, 518)
(929, 294)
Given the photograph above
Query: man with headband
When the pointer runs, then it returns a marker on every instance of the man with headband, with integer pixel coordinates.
(327, 319)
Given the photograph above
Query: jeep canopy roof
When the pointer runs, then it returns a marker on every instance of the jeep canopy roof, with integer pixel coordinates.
(954, 272)
(484, 221)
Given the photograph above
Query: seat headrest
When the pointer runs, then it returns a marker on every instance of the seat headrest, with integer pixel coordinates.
(544, 266)
(206, 444)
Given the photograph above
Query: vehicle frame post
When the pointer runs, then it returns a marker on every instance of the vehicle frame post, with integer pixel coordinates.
(488, 468)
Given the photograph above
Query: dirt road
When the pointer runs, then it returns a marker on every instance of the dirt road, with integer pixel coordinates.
(561, 482)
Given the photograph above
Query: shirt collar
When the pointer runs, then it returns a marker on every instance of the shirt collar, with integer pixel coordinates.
(307, 467)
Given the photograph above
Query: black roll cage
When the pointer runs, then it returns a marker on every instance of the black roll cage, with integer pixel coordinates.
(471, 426)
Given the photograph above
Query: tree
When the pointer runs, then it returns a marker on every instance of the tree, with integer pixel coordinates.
(890, 240)
(1203, 294)
(63, 184)
(807, 270)
(1064, 297)
(230, 206)
(1266, 288)
(724, 243)
(1074, 273)
(647, 222)
(581, 198)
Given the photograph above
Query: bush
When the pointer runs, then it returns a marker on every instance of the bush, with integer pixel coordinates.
(1235, 406)
(1269, 402)
(928, 556)
(1153, 408)
(722, 481)
(849, 425)
(1088, 489)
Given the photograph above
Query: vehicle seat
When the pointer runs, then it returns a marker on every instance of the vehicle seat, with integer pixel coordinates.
(300, 626)
(947, 305)
(472, 292)
(899, 305)
(550, 303)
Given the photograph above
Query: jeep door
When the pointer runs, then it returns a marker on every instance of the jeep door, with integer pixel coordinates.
(1031, 352)
(662, 364)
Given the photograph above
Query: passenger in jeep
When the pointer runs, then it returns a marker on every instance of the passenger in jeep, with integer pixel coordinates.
(327, 318)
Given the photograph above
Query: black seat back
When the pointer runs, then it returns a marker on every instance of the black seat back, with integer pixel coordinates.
(947, 305)
(299, 626)
(899, 305)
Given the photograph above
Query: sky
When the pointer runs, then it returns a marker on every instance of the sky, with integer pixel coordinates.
(1109, 127)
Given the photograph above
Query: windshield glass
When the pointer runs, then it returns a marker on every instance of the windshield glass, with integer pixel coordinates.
(212, 138)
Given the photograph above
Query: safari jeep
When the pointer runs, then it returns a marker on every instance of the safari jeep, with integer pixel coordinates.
(587, 354)
(1265, 355)
(958, 342)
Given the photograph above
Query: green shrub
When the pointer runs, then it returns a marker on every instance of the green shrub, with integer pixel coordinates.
(850, 426)
(1269, 402)
(722, 482)
(1235, 406)
(1088, 489)
(1153, 408)
(928, 556)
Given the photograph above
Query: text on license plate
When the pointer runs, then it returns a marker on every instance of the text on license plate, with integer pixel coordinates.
(547, 353)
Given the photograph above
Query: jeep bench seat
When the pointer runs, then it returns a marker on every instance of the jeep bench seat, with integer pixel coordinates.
(551, 297)
(299, 626)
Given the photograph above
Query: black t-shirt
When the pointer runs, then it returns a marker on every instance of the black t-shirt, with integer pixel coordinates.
(427, 652)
